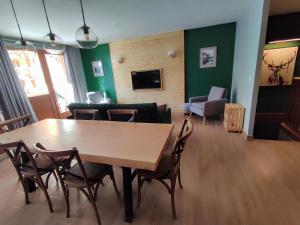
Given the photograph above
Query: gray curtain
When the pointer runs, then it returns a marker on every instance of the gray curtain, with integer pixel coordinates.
(13, 99)
(75, 73)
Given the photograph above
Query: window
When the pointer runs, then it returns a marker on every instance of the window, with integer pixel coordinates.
(29, 71)
(62, 87)
(45, 81)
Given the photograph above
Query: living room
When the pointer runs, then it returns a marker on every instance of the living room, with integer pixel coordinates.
(108, 97)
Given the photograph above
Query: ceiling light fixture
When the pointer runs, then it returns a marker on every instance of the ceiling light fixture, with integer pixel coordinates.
(53, 44)
(21, 44)
(85, 36)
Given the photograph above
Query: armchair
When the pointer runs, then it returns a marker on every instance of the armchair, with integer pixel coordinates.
(97, 97)
(211, 105)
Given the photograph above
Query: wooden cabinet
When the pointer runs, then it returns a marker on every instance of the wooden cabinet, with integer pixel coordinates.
(234, 117)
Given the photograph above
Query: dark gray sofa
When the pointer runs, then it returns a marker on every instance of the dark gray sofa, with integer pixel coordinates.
(147, 112)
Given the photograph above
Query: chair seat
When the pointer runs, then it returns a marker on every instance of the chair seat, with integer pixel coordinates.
(199, 105)
(163, 169)
(94, 171)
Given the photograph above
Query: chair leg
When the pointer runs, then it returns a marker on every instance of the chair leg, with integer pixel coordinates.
(191, 114)
(47, 180)
(179, 179)
(112, 177)
(96, 191)
(25, 190)
(139, 191)
(42, 186)
(68, 201)
(173, 184)
(96, 212)
(204, 120)
(55, 176)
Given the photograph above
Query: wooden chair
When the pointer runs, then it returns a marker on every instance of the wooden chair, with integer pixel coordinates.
(168, 167)
(6, 125)
(85, 114)
(33, 168)
(127, 115)
(86, 177)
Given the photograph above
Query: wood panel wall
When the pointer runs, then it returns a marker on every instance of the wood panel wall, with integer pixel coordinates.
(150, 53)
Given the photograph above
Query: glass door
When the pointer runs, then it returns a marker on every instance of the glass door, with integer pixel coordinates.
(29, 71)
(44, 79)
(62, 87)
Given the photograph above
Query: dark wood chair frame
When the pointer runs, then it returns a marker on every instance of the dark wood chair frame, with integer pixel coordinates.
(26, 119)
(130, 112)
(174, 171)
(90, 187)
(23, 121)
(28, 169)
(92, 112)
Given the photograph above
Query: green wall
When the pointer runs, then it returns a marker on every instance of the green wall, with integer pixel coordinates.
(199, 81)
(105, 83)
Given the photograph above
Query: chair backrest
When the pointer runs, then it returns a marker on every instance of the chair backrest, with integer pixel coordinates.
(216, 93)
(86, 114)
(14, 151)
(68, 157)
(125, 115)
(95, 97)
(185, 131)
(22, 121)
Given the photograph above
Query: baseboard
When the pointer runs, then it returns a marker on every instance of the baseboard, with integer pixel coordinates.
(247, 137)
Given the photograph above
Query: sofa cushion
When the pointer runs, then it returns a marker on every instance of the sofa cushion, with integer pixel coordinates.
(216, 93)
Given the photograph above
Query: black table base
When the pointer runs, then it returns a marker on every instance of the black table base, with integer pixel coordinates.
(127, 189)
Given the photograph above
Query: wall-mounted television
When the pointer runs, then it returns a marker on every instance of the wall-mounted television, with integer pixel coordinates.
(147, 79)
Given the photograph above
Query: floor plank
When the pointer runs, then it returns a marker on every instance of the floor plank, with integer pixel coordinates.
(226, 181)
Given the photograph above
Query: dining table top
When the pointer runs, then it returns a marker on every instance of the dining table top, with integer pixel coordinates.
(133, 145)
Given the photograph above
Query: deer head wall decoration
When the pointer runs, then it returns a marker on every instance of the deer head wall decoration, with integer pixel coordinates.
(276, 77)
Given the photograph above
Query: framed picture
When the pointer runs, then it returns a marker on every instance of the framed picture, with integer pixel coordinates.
(97, 69)
(278, 66)
(208, 57)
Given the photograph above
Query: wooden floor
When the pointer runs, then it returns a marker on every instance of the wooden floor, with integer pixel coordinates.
(227, 181)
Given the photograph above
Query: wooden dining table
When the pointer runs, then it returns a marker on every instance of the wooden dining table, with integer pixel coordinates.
(128, 145)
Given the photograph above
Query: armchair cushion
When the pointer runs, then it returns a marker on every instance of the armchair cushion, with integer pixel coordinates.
(197, 99)
(199, 105)
(94, 97)
(216, 93)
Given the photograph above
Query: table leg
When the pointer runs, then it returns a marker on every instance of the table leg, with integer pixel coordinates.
(127, 189)
(29, 184)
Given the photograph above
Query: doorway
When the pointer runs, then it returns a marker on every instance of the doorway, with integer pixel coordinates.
(44, 79)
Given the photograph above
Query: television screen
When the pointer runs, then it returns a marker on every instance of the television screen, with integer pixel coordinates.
(150, 79)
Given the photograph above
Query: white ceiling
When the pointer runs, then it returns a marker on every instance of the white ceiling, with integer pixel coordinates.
(116, 19)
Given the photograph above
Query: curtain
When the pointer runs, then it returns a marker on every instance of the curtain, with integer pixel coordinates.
(13, 99)
(75, 73)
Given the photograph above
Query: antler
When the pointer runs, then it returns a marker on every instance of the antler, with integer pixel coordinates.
(286, 64)
(271, 66)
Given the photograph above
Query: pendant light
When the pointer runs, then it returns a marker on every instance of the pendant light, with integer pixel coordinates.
(53, 44)
(22, 44)
(85, 37)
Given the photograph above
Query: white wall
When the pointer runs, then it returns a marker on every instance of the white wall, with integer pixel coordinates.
(250, 37)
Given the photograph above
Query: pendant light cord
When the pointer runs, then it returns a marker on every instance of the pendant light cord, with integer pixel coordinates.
(47, 16)
(82, 13)
(12, 5)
